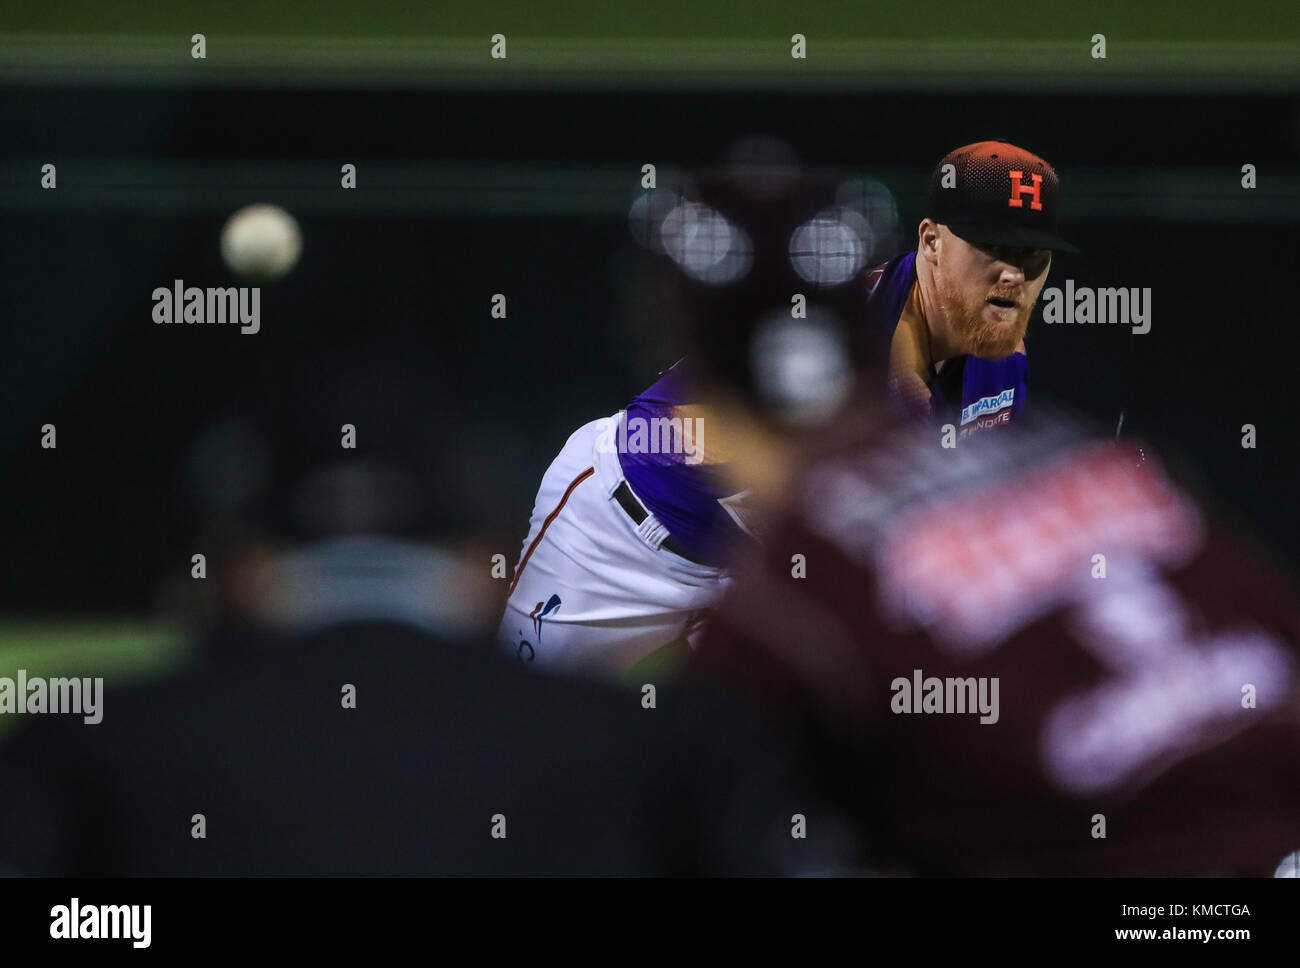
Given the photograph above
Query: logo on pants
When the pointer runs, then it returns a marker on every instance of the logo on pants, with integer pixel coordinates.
(541, 611)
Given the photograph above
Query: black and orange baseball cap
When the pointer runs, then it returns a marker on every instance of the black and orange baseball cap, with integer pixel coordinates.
(997, 194)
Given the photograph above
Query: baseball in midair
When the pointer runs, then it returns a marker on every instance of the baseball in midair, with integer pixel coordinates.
(261, 242)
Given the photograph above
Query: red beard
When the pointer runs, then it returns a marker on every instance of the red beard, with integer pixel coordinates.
(979, 337)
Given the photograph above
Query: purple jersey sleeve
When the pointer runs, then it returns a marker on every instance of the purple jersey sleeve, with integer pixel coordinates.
(680, 489)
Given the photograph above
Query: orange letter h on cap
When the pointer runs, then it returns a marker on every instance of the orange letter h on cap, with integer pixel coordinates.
(1018, 189)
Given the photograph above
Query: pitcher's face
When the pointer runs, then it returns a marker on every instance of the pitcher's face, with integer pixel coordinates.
(987, 293)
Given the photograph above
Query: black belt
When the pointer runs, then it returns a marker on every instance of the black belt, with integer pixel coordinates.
(627, 500)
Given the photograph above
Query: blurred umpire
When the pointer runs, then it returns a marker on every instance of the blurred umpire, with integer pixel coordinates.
(338, 717)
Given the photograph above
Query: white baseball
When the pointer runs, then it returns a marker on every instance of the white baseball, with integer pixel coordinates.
(261, 242)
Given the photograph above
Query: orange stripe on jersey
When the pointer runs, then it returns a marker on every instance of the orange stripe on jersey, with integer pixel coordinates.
(546, 524)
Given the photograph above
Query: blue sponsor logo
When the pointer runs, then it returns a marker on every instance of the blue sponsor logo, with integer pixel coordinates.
(986, 405)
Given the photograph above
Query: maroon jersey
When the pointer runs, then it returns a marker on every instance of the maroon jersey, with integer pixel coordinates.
(1034, 655)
